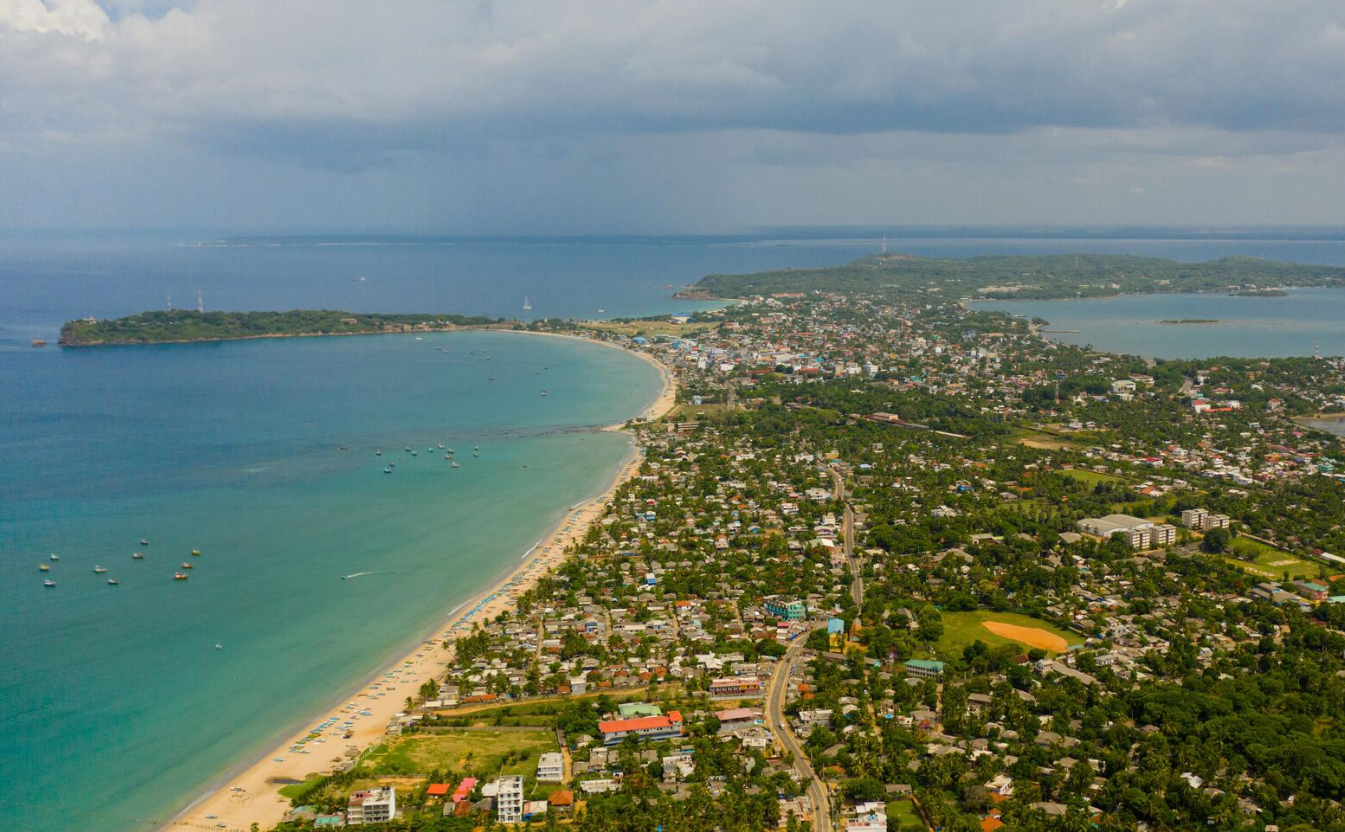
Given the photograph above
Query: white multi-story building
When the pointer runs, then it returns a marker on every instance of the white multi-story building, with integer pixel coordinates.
(1201, 520)
(509, 799)
(551, 768)
(1163, 534)
(372, 806)
(1194, 518)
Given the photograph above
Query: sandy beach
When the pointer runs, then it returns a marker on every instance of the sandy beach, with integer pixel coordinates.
(251, 795)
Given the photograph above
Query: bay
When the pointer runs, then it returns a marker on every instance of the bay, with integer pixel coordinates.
(1301, 323)
(115, 708)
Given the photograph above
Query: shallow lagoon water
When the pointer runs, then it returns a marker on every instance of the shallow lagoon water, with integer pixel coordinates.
(1295, 325)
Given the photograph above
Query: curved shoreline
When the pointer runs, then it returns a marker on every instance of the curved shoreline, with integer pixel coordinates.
(249, 792)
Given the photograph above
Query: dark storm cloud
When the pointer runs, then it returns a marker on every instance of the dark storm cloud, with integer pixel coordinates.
(343, 86)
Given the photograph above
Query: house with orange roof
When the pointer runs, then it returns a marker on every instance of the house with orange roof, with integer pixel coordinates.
(648, 727)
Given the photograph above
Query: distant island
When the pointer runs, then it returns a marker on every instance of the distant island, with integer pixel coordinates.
(179, 327)
(1191, 321)
(1019, 278)
(1261, 293)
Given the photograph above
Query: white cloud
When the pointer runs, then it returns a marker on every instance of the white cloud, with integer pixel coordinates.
(80, 18)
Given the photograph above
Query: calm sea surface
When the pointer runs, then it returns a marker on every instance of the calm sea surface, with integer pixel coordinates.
(1304, 321)
(115, 706)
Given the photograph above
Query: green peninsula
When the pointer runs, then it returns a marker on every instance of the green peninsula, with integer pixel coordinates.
(184, 326)
(1026, 278)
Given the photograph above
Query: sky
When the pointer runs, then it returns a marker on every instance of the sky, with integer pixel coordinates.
(663, 116)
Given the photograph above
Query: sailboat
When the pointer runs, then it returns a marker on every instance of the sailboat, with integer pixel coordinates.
(527, 307)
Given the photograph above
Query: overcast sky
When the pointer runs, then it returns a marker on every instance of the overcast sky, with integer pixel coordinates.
(611, 116)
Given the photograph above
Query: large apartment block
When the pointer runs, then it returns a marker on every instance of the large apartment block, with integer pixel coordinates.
(1137, 532)
(1201, 520)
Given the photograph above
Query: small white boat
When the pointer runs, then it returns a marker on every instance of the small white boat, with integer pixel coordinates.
(144, 542)
(137, 555)
(378, 453)
(455, 465)
(43, 567)
(113, 582)
(387, 470)
(55, 556)
(98, 570)
(49, 583)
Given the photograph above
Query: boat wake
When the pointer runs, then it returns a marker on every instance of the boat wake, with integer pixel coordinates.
(356, 575)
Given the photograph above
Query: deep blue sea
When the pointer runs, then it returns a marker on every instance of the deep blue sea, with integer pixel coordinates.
(115, 707)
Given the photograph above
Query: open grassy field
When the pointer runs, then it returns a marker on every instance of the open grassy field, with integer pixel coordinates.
(1091, 477)
(650, 328)
(1047, 440)
(961, 629)
(484, 752)
(540, 711)
(1270, 563)
(687, 412)
(901, 814)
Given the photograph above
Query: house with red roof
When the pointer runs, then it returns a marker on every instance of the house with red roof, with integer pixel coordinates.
(646, 727)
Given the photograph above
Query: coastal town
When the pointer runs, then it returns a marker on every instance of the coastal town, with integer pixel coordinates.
(894, 564)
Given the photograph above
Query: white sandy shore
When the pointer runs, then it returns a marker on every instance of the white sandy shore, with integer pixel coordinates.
(251, 796)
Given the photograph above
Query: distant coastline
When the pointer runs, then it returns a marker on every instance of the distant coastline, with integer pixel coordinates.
(1021, 277)
(1184, 321)
(191, 327)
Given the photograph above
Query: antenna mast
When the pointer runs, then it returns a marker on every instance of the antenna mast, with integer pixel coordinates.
(170, 302)
(200, 304)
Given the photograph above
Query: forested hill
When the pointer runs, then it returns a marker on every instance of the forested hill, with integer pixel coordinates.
(1055, 276)
(186, 326)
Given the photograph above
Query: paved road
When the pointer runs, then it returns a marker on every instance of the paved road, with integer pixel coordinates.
(775, 719)
(848, 538)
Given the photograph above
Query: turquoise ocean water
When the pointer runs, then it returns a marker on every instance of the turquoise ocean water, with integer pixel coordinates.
(115, 707)
(117, 704)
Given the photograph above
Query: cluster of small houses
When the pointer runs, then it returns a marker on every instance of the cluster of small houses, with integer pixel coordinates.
(657, 627)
